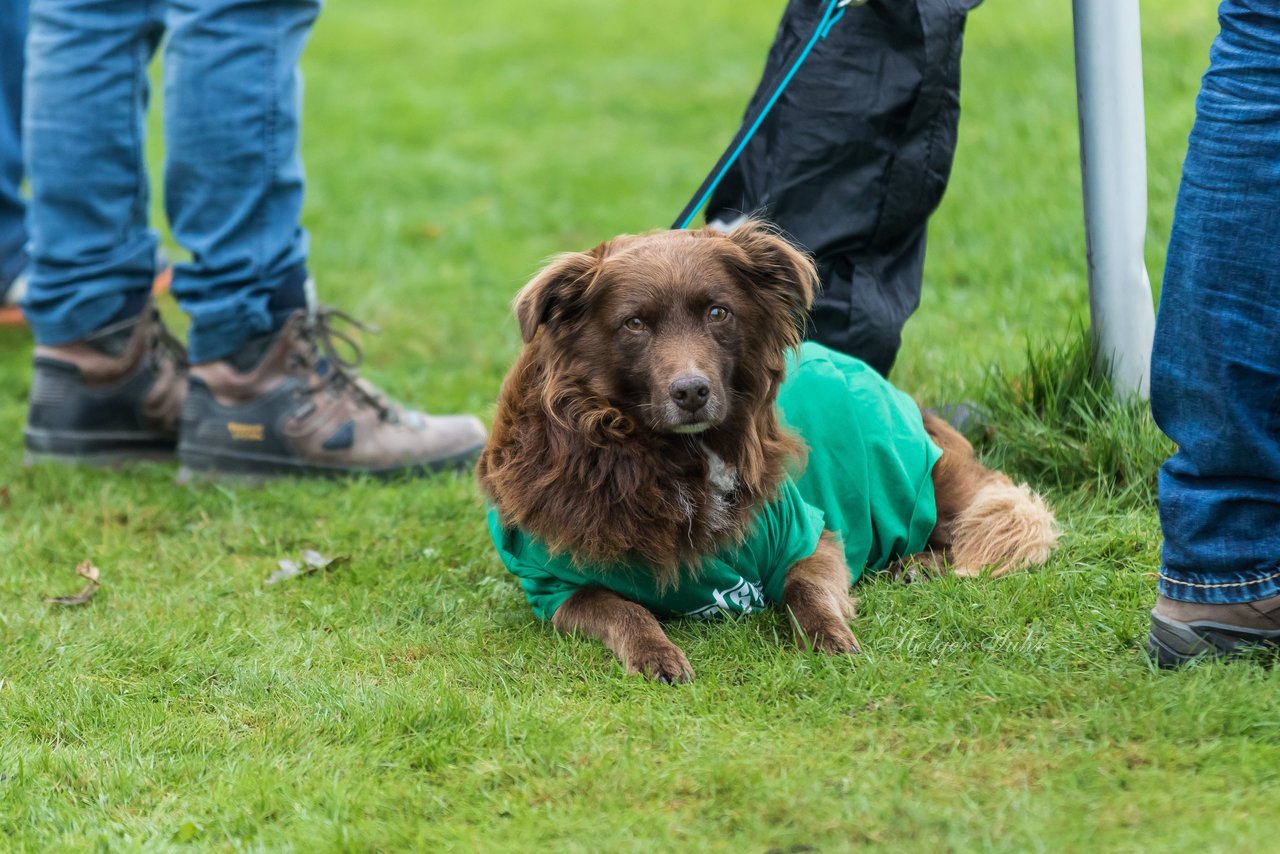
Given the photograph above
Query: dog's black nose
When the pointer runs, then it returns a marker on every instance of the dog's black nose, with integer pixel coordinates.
(691, 393)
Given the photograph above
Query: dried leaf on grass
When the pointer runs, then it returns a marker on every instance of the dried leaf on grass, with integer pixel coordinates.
(312, 561)
(90, 573)
(6, 498)
(288, 569)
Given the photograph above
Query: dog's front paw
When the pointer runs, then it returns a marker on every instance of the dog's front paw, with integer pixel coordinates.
(832, 637)
(662, 661)
(820, 618)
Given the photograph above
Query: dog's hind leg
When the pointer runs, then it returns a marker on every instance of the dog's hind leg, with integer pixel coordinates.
(984, 519)
(628, 629)
(816, 594)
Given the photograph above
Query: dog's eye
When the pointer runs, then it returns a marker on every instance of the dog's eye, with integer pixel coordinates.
(717, 314)
(634, 324)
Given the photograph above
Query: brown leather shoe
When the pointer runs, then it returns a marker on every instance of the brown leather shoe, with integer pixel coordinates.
(113, 397)
(289, 403)
(1184, 631)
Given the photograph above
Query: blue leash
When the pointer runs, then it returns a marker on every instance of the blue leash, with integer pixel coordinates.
(835, 11)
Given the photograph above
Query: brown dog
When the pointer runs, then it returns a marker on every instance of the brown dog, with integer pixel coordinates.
(638, 431)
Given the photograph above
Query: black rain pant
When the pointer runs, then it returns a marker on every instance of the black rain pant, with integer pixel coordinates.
(854, 158)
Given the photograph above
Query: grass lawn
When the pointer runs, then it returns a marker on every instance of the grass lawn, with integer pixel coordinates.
(409, 699)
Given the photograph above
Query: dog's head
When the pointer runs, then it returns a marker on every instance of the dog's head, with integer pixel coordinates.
(681, 332)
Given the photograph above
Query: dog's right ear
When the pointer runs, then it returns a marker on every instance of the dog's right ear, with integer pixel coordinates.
(555, 294)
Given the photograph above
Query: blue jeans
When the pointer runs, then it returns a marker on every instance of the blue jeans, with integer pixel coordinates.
(13, 236)
(1215, 378)
(233, 172)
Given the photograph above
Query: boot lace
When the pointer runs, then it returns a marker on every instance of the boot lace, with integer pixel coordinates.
(327, 344)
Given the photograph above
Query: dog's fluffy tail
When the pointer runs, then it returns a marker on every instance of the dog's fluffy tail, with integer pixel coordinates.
(1006, 527)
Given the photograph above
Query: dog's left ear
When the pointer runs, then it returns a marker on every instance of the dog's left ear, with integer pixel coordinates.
(775, 270)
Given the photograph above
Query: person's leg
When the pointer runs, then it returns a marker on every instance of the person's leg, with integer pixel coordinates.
(854, 158)
(107, 383)
(13, 233)
(93, 256)
(233, 176)
(269, 392)
(1215, 382)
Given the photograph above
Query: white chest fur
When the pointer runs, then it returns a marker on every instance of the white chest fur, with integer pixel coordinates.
(723, 480)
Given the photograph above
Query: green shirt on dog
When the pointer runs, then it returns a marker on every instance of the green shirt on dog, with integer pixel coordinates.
(867, 480)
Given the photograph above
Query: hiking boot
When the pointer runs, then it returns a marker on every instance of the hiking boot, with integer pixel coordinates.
(1184, 631)
(112, 397)
(289, 403)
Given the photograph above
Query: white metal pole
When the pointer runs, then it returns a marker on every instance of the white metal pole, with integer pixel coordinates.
(1113, 164)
